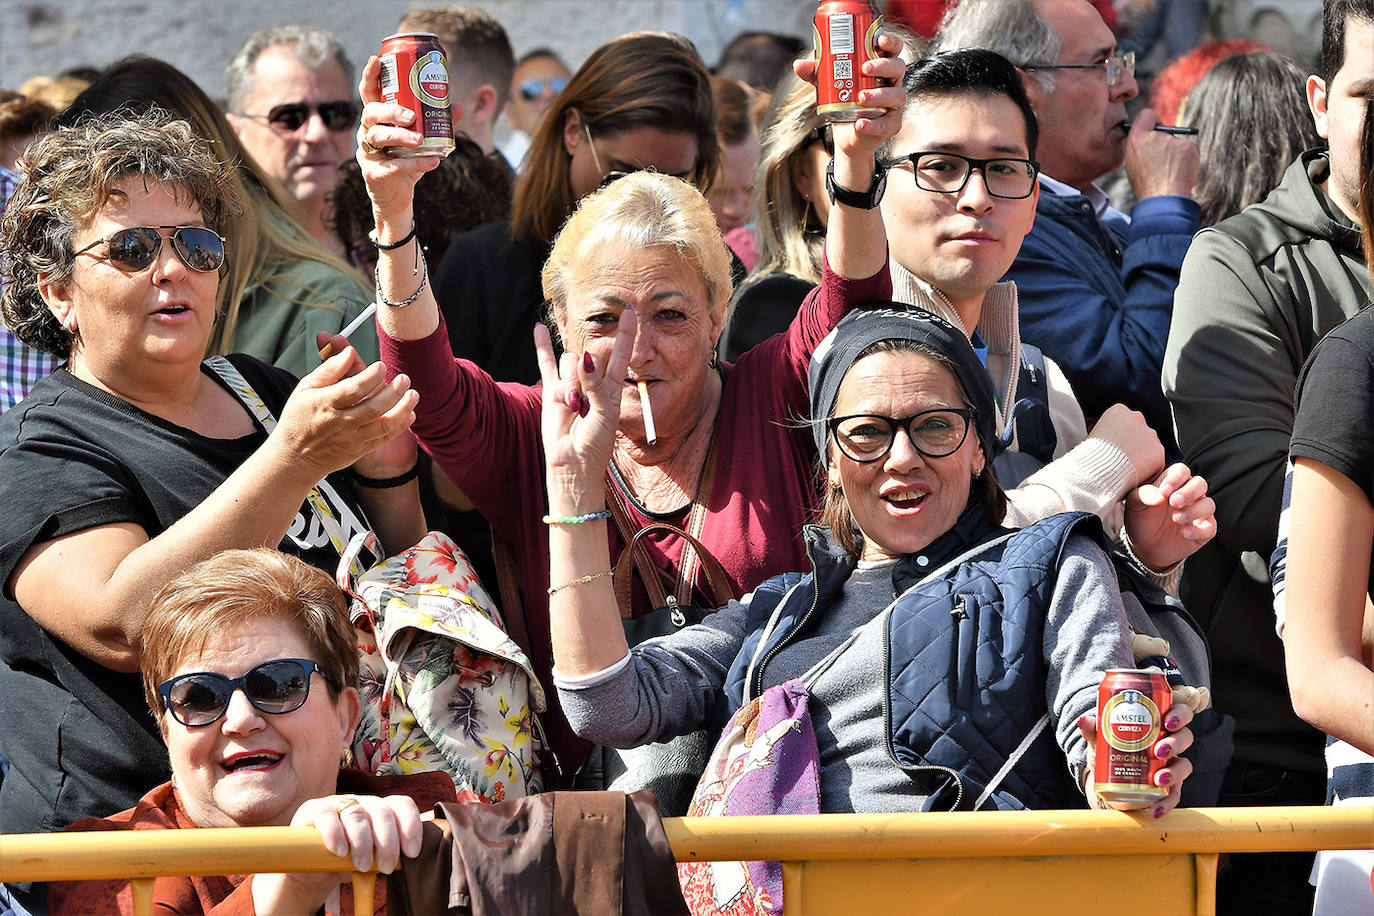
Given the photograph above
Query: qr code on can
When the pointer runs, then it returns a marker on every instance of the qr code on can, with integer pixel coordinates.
(844, 69)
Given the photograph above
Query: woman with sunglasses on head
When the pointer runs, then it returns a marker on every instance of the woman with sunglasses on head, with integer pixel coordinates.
(136, 459)
(250, 668)
(640, 101)
(281, 287)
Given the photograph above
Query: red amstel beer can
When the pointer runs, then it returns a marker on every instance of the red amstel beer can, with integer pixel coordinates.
(415, 74)
(1130, 713)
(845, 33)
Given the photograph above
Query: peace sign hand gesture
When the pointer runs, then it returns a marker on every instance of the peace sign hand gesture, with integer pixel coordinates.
(580, 416)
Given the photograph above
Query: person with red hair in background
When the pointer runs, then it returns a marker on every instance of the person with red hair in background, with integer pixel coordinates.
(1175, 81)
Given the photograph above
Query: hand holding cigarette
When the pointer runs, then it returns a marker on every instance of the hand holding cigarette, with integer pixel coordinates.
(327, 348)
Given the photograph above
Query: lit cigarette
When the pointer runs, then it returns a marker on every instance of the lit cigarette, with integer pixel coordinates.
(649, 432)
(349, 328)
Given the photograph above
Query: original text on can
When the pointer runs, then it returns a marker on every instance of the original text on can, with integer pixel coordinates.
(845, 33)
(415, 74)
(1130, 713)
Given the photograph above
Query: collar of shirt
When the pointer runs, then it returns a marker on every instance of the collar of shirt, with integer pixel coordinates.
(1096, 196)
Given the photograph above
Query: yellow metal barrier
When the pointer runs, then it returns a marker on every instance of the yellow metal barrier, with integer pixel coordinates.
(1027, 862)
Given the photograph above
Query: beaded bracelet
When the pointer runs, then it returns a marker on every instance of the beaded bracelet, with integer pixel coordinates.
(424, 278)
(581, 581)
(576, 519)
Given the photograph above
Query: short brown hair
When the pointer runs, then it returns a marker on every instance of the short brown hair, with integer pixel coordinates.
(237, 586)
(486, 52)
(67, 176)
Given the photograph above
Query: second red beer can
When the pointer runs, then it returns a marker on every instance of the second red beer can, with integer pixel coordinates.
(845, 33)
(415, 74)
(1130, 714)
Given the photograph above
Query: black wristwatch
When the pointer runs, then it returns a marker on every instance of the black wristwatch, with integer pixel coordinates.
(859, 200)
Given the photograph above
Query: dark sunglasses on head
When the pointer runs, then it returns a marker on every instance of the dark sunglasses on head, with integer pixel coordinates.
(274, 687)
(532, 89)
(337, 116)
(135, 248)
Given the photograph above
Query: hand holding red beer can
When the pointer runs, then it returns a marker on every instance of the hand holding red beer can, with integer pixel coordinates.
(415, 75)
(1139, 735)
(845, 33)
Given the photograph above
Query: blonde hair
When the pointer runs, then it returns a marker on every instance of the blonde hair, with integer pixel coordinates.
(643, 210)
(790, 234)
(235, 587)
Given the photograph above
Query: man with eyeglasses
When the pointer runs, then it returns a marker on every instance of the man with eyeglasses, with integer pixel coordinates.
(290, 100)
(959, 199)
(538, 78)
(480, 63)
(1096, 286)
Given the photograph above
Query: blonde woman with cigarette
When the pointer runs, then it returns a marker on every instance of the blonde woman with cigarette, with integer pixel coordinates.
(649, 242)
(135, 459)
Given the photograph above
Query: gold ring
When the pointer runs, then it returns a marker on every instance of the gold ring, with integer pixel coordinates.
(346, 802)
(368, 147)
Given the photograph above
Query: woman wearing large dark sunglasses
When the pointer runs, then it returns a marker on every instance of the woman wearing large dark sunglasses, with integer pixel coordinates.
(250, 667)
(136, 459)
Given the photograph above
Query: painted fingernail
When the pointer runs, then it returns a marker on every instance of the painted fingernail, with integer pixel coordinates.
(572, 399)
(1159, 812)
(588, 364)
(1165, 777)
(1171, 723)
(584, 406)
(1164, 750)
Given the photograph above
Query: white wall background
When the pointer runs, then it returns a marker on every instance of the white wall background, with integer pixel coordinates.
(44, 37)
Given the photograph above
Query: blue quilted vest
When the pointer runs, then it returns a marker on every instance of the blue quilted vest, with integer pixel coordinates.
(965, 677)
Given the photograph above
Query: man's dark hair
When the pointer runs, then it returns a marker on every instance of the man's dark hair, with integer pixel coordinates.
(475, 37)
(969, 71)
(540, 52)
(759, 59)
(1335, 14)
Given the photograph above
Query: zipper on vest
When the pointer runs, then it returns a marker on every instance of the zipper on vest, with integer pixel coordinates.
(755, 687)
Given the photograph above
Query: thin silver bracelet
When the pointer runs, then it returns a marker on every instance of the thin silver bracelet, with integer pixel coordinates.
(424, 278)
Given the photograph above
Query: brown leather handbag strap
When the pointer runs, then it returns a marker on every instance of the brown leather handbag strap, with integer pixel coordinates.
(632, 552)
(508, 581)
(717, 582)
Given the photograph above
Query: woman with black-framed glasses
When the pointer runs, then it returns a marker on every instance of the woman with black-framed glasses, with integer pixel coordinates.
(138, 457)
(947, 663)
(250, 668)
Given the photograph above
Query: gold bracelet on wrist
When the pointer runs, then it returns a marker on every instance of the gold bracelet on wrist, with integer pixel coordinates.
(580, 581)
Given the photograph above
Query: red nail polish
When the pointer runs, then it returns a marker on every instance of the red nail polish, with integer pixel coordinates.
(587, 362)
(1171, 723)
(1164, 778)
(571, 399)
(584, 406)
(1159, 812)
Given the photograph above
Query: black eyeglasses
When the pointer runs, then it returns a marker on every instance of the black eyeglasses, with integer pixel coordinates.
(532, 89)
(934, 433)
(133, 249)
(947, 173)
(611, 176)
(275, 687)
(1113, 68)
(337, 116)
(825, 137)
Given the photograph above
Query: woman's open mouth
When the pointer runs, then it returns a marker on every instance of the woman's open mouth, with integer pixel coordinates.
(906, 500)
(260, 761)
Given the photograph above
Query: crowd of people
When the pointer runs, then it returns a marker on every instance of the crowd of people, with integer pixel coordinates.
(904, 429)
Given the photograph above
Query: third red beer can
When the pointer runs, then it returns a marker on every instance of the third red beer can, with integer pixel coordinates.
(415, 74)
(845, 33)
(1130, 713)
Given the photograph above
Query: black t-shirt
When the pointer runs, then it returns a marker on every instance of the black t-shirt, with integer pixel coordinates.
(764, 307)
(1335, 420)
(489, 290)
(79, 736)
